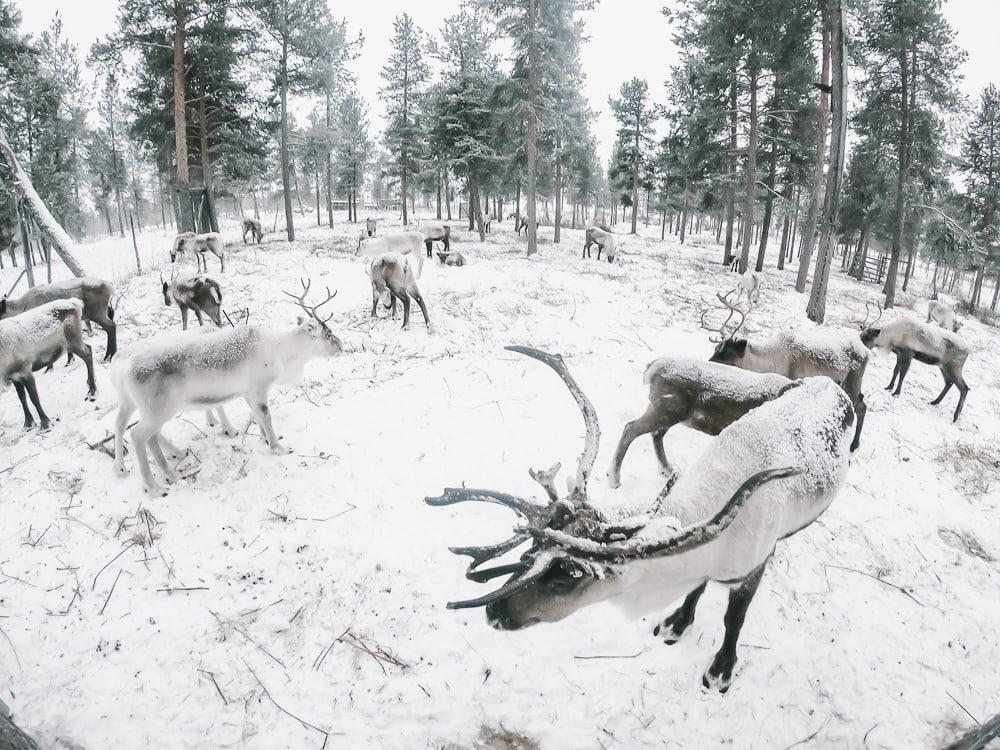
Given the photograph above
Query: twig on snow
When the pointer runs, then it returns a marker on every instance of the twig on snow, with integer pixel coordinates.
(211, 676)
(303, 722)
(807, 739)
(962, 707)
(128, 546)
(612, 656)
(108, 599)
(876, 578)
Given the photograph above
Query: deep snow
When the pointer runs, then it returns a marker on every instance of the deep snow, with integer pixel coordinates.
(302, 567)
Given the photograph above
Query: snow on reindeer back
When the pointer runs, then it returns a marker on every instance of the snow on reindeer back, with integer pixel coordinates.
(36, 323)
(722, 380)
(841, 348)
(806, 428)
(209, 350)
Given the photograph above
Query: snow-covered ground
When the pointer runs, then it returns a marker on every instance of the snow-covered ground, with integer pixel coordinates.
(317, 581)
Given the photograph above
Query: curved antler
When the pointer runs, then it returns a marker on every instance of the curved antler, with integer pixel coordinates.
(593, 436)
(300, 300)
(539, 566)
(723, 330)
(684, 540)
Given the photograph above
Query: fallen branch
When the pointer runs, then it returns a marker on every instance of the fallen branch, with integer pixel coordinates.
(804, 741)
(602, 656)
(218, 689)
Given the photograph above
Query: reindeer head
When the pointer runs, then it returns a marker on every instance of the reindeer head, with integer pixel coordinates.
(729, 349)
(869, 331)
(314, 326)
(576, 557)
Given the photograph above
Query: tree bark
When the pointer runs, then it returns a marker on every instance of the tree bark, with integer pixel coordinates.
(834, 20)
(182, 179)
(751, 175)
(555, 231)
(531, 127)
(809, 230)
(904, 169)
(329, 164)
(765, 228)
(734, 92)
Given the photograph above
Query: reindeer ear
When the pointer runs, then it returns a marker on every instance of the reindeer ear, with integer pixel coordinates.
(298, 320)
(164, 287)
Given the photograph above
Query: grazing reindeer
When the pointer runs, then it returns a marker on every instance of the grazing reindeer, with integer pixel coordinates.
(798, 354)
(910, 339)
(601, 236)
(199, 293)
(392, 273)
(487, 223)
(199, 244)
(749, 286)
(432, 233)
(404, 243)
(254, 228)
(720, 522)
(523, 224)
(94, 293)
(942, 314)
(370, 226)
(167, 377)
(701, 395)
(37, 338)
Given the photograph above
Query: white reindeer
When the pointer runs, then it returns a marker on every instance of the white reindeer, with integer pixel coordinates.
(165, 378)
(199, 244)
(404, 243)
(944, 315)
(720, 522)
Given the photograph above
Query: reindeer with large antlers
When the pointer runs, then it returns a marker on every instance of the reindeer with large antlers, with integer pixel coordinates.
(175, 374)
(719, 522)
(839, 355)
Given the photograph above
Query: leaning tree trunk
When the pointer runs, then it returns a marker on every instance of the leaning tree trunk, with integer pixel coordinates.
(38, 211)
(834, 19)
(809, 230)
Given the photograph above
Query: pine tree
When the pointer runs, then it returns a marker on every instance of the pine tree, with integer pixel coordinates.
(405, 75)
(981, 167)
(635, 119)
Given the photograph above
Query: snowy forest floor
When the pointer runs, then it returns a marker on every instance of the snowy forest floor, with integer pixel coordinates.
(315, 583)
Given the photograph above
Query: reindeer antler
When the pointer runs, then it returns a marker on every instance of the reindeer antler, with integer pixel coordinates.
(724, 331)
(863, 324)
(300, 300)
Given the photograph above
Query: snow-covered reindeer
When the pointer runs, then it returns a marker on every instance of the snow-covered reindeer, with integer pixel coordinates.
(435, 232)
(37, 338)
(944, 315)
(910, 339)
(176, 374)
(94, 293)
(371, 225)
(768, 475)
(254, 228)
(839, 355)
(199, 293)
(749, 286)
(199, 244)
(601, 236)
(392, 274)
(704, 396)
(405, 243)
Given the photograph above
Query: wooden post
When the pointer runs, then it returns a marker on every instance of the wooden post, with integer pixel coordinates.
(26, 249)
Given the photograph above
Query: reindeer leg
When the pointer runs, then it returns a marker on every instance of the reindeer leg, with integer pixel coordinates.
(107, 324)
(673, 627)
(172, 450)
(125, 410)
(406, 308)
(262, 413)
(964, 391)
(227, 427)
(29, 386)
(22, 396)
(895, 373)
(904, 365)
(197, 314)
(184, 316)
(157, 450)
(720, 673)
(84, 352)
(375, 296)
(141, 435)
(860, 409)
(645, 424)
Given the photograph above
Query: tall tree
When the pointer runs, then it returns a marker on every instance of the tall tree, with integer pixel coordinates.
(635, 118)
(405, 74)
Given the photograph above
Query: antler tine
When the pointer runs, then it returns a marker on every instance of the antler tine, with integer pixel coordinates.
(593, 430)
(547, 480)
(452, 495)
(734, 309)
(329, 297)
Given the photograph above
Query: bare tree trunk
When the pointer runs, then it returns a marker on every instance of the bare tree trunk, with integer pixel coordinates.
(751, 175)
(206, 166)
(734, 91)
(555, 231)
(809, 230)
(904, 168)
(286, 176)
(183, 191)
(765, 228)
(531, 127)
(833, 20)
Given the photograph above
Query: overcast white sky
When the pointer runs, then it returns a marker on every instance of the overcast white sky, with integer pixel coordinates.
(627, 38)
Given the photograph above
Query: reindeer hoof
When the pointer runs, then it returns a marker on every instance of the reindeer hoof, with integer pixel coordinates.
(720, 680)
(170, 478)
(280, 450)
(230, 433)
(155, 490)
(120, 470)
(614, 483)
(92, 396)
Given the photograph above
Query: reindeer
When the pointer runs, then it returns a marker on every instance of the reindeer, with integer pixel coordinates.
(371, 226)
(704, 396)
(199, 244)
(164, 378)
(432, 233)
(910, 339)
(409, 244)
(255, 229)
(200, 293)
(601, 236)
(523, 224)
(797, 354)
(767, 476)
(942, 314)
(749, 286)
(37, 338)
(487, 224)
(94, 293)
(452, 259)
(392, 274)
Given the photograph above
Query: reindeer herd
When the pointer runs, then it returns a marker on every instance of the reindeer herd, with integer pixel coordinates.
(786, 411)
